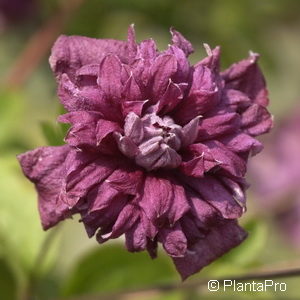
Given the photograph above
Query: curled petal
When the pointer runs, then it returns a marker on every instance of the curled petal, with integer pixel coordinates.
(217, 242)
(179, 41)
(218, 125)
(174, 241)
(125, 221)
(190, 132)
(136, 239)
(162, 70)
(242, 143)
(87, 171)
(46, 168)
(247, 77)
(157, 198)
(131, 90)
(69, 53)
(110, 77)
(133, 128)
(171, 98)
(256, 120)
(133, 106)
(211, 190)
(126, 145)
(126, 180)
(227, 160)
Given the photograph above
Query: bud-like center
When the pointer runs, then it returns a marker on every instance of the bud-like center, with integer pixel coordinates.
(153, 141)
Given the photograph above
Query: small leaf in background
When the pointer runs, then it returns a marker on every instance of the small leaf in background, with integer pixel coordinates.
(112, 268)
(11, 107)
(53, 133)
(21, 234)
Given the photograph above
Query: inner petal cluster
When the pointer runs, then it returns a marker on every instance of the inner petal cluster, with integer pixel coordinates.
(154, 141)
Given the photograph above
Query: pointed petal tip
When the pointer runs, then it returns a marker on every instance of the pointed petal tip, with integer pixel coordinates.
(181, 42)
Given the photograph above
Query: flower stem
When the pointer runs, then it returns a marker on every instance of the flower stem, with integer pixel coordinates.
(191, 285)
(39, 44)
(30, 289)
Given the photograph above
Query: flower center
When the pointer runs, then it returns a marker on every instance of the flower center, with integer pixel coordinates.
(153, 141)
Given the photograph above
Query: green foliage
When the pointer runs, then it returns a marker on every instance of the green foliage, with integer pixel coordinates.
(10, 112)
(21, 234)
(53, 133)
(8, 283)
(112, 268)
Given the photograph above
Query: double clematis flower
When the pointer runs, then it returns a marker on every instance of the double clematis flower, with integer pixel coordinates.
(157, 148)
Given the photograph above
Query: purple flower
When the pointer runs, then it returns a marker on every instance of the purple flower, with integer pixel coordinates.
(157, 148)
(276, 177)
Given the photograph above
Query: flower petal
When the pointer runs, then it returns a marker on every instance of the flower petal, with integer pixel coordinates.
(136, 239)
(46, 168)
(241, 142)
(109, 79)
(173, 240)
(162, 70)
(227, 160)
(217, 242)
(246, 76)
(127, 180)
(85, 172)
(179, 41)
(157, 198)
(256, 120)
(211, 190)
(218, 125)
(203, 96)
(69, 53)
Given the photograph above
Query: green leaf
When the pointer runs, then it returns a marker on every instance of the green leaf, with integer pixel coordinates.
(11, 106)
(113, 268)
(52, 133)
(21, 234)
(8, 283)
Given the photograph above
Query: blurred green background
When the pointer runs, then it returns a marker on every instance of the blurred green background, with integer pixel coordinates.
(71, 265)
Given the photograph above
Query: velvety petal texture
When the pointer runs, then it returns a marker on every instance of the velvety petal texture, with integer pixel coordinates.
(157, 149)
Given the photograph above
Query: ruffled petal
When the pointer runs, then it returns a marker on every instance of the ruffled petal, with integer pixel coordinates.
(89, 130)
(256, 120)
(85, 171)
(242, 143)
(69, 53)
(218, 125)
(46, 168)
(213, 191)
(217, 242)
(174, 241)
(136, 239)
(157, 199)
(110, 77)
(203, 96)
(162, 70)
(247, 77)
(179, 41)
